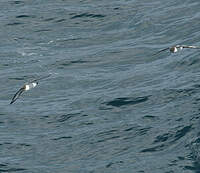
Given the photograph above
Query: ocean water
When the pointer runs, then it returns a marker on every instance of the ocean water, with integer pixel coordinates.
(110, 104)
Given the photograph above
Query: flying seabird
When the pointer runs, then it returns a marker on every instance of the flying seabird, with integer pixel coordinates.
(176, 48)
(27, 87)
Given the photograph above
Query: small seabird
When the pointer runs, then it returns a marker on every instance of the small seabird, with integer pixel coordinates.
(176, 48)
(27, 87)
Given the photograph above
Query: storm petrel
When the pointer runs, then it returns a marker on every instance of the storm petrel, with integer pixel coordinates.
(27, 87)
(176, 48)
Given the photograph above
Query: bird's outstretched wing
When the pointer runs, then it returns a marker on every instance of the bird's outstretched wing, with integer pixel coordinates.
(193, 47)
(162, 50)
(44, 77)
(16, 96)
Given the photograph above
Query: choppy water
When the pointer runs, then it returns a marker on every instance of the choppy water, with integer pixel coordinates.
(110, 104)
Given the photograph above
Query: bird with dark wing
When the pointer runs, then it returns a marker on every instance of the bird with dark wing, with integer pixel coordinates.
(176, 48)
(27, 87)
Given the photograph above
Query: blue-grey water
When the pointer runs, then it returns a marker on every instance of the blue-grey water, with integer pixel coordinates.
(110, 105)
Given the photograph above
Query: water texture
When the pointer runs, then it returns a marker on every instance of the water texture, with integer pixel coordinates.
(110, 105)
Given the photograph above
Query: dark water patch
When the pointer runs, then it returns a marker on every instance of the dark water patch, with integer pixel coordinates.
(49, 19)
(63, 41)
(108, 135)
(15, 23)
(60, 20)
(45, 117)
(197, 100)
(181, 158)
(179, 119)
(153, 149)
(172, 95)
(116, 8)
(24, 145)
(167, 139)
(66, 117)
(171, 137)
(89, 15)
(62, 65)
(182, 132)
(109, 164)
(113, 163)
(193, 168)
(4, 168)
(17, 2)
(122, 150)
(130, 129)
(196, 86)
(133, 132)
(149, 117)
(104, 108)
(2, 165)
(195, 150)
(78, 62)
(24, 16)
(163, 138)
(118, 102)
(185, 64)
(16, 78)
(12, 170)
(173, 163)
(109, 132)
(74, 62)
(143, 131)
(7, 143)
(181, 91)
(108, 139)
(138, 130)
(87, 123)
(64, 137)
(194, 61)
(43, 30)
(188, 91)
(85, 115)
(14, 146)
(5, 65)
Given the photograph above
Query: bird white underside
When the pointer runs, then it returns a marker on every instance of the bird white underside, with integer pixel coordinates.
(28, 87)
(34, 84)
(175, 49)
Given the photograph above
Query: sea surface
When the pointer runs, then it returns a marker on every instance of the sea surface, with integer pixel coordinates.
(110, 105)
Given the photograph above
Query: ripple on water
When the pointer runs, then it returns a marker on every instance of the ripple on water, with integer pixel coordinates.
(87, 15)
(63, 137)
(167, 139)
(7, 168)
(66, 117)
(24, 16)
